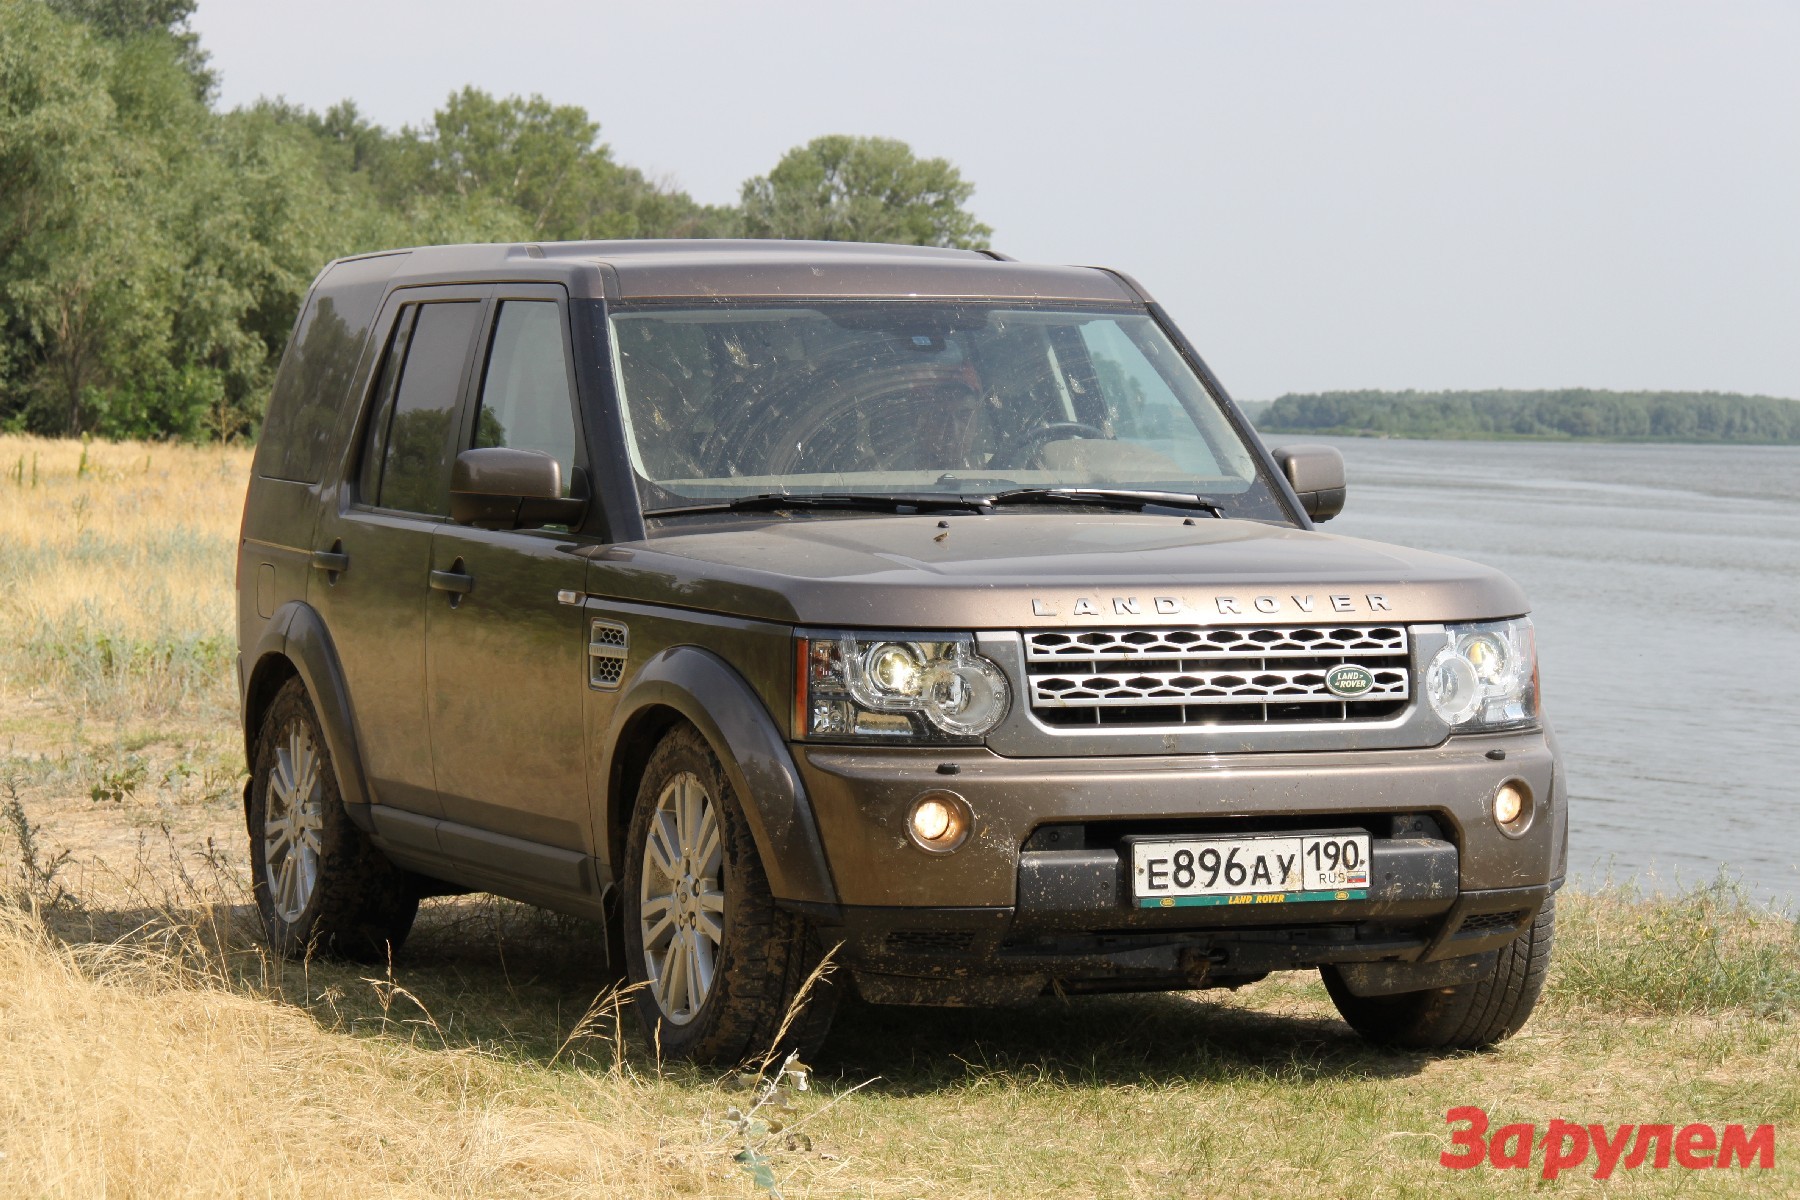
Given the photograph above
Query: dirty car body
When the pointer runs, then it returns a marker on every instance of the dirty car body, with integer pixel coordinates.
(1019, 652)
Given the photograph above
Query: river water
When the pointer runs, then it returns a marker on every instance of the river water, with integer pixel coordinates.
(1665, 587)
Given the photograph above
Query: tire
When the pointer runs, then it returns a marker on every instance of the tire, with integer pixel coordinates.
(692, 872)
(1468, 1016)
(320, 885)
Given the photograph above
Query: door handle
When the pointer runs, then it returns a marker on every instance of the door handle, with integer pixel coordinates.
(455, 582)
(332, 561)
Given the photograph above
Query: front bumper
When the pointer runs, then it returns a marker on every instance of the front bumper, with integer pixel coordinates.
(1040, 890)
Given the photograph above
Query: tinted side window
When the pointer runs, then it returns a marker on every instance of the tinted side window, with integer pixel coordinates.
(381, 409)
(525, 399)
(415, 471)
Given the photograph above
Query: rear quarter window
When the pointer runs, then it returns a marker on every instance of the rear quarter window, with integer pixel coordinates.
(309, 406)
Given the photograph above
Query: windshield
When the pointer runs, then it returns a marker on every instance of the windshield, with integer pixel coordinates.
(917, 397)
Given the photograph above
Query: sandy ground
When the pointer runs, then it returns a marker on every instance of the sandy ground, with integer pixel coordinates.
(113, 803)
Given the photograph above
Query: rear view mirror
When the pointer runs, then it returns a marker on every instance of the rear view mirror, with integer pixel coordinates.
(500, 488)
(1316, 473)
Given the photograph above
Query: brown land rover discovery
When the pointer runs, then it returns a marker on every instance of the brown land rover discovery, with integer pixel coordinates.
(760, 598)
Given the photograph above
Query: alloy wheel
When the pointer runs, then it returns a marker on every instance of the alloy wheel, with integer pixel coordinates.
(293, 823)
(681, 899)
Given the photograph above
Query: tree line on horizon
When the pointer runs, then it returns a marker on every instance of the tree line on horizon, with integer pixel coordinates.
(1552, 413)
(155, 250)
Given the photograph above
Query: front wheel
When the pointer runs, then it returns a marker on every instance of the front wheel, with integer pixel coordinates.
(1468, 1016)
(716, 963)
(319, 883)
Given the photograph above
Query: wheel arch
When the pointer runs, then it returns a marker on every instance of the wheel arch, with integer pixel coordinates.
(296, 644)
(669, 690)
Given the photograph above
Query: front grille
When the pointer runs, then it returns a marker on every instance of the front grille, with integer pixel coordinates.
(1226, 676)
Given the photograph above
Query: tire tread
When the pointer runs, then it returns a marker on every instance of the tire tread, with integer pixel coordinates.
(1469, 1016)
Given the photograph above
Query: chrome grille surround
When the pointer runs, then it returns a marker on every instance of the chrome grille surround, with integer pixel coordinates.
(1240, 675)
(1306, 641)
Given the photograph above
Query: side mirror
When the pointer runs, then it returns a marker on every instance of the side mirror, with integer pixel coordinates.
(500, 488)
(1316, 474)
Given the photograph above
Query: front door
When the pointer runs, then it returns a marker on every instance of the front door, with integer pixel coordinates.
(506, 646)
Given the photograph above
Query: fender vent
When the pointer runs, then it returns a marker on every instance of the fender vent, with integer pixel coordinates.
(608, 644)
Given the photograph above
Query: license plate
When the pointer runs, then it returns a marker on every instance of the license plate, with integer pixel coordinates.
(1188, 872)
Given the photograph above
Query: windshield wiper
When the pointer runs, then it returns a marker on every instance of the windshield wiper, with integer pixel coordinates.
(901, 502)
(858, 501)
(1107, 498)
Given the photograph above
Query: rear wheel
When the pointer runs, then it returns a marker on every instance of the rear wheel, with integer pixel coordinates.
(319, 884)
(717, 963)
(1468, 1016)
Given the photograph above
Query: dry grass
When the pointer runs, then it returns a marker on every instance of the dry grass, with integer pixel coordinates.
(149, 1048)
(173, 1059)
(115, 570)
(128, 1075)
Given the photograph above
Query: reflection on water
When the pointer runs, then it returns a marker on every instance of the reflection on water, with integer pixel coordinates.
(1665, 584)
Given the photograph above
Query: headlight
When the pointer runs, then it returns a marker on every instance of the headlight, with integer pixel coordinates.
(900, 687)
(1486, 678)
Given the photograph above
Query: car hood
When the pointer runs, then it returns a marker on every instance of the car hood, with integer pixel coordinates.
(1024, 570)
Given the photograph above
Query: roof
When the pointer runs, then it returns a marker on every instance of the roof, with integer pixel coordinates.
(764, 269)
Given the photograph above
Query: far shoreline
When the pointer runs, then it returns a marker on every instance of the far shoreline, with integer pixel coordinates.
(1552, 439)
(1536, 415)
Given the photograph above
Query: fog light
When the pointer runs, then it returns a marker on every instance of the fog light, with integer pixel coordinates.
(939, 821)
(1512, 807)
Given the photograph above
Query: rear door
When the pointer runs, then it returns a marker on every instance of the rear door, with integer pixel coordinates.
(374, 556)
(507, 650)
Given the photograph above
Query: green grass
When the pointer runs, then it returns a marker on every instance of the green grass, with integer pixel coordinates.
(107, 672)
(1704, 951)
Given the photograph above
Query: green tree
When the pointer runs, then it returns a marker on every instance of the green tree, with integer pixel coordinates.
(144, 284)
(154, 252)
(300, 202)
(131, 20)
(72, 263)
(518, 168)
(862, 189)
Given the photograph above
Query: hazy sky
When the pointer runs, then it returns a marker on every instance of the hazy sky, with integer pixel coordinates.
(1324, 195)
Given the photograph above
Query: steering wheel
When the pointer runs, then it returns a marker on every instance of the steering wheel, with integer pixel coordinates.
(1020, 451)
(829, 414)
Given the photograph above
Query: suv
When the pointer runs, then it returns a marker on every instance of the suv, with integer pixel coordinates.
(925, 609)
